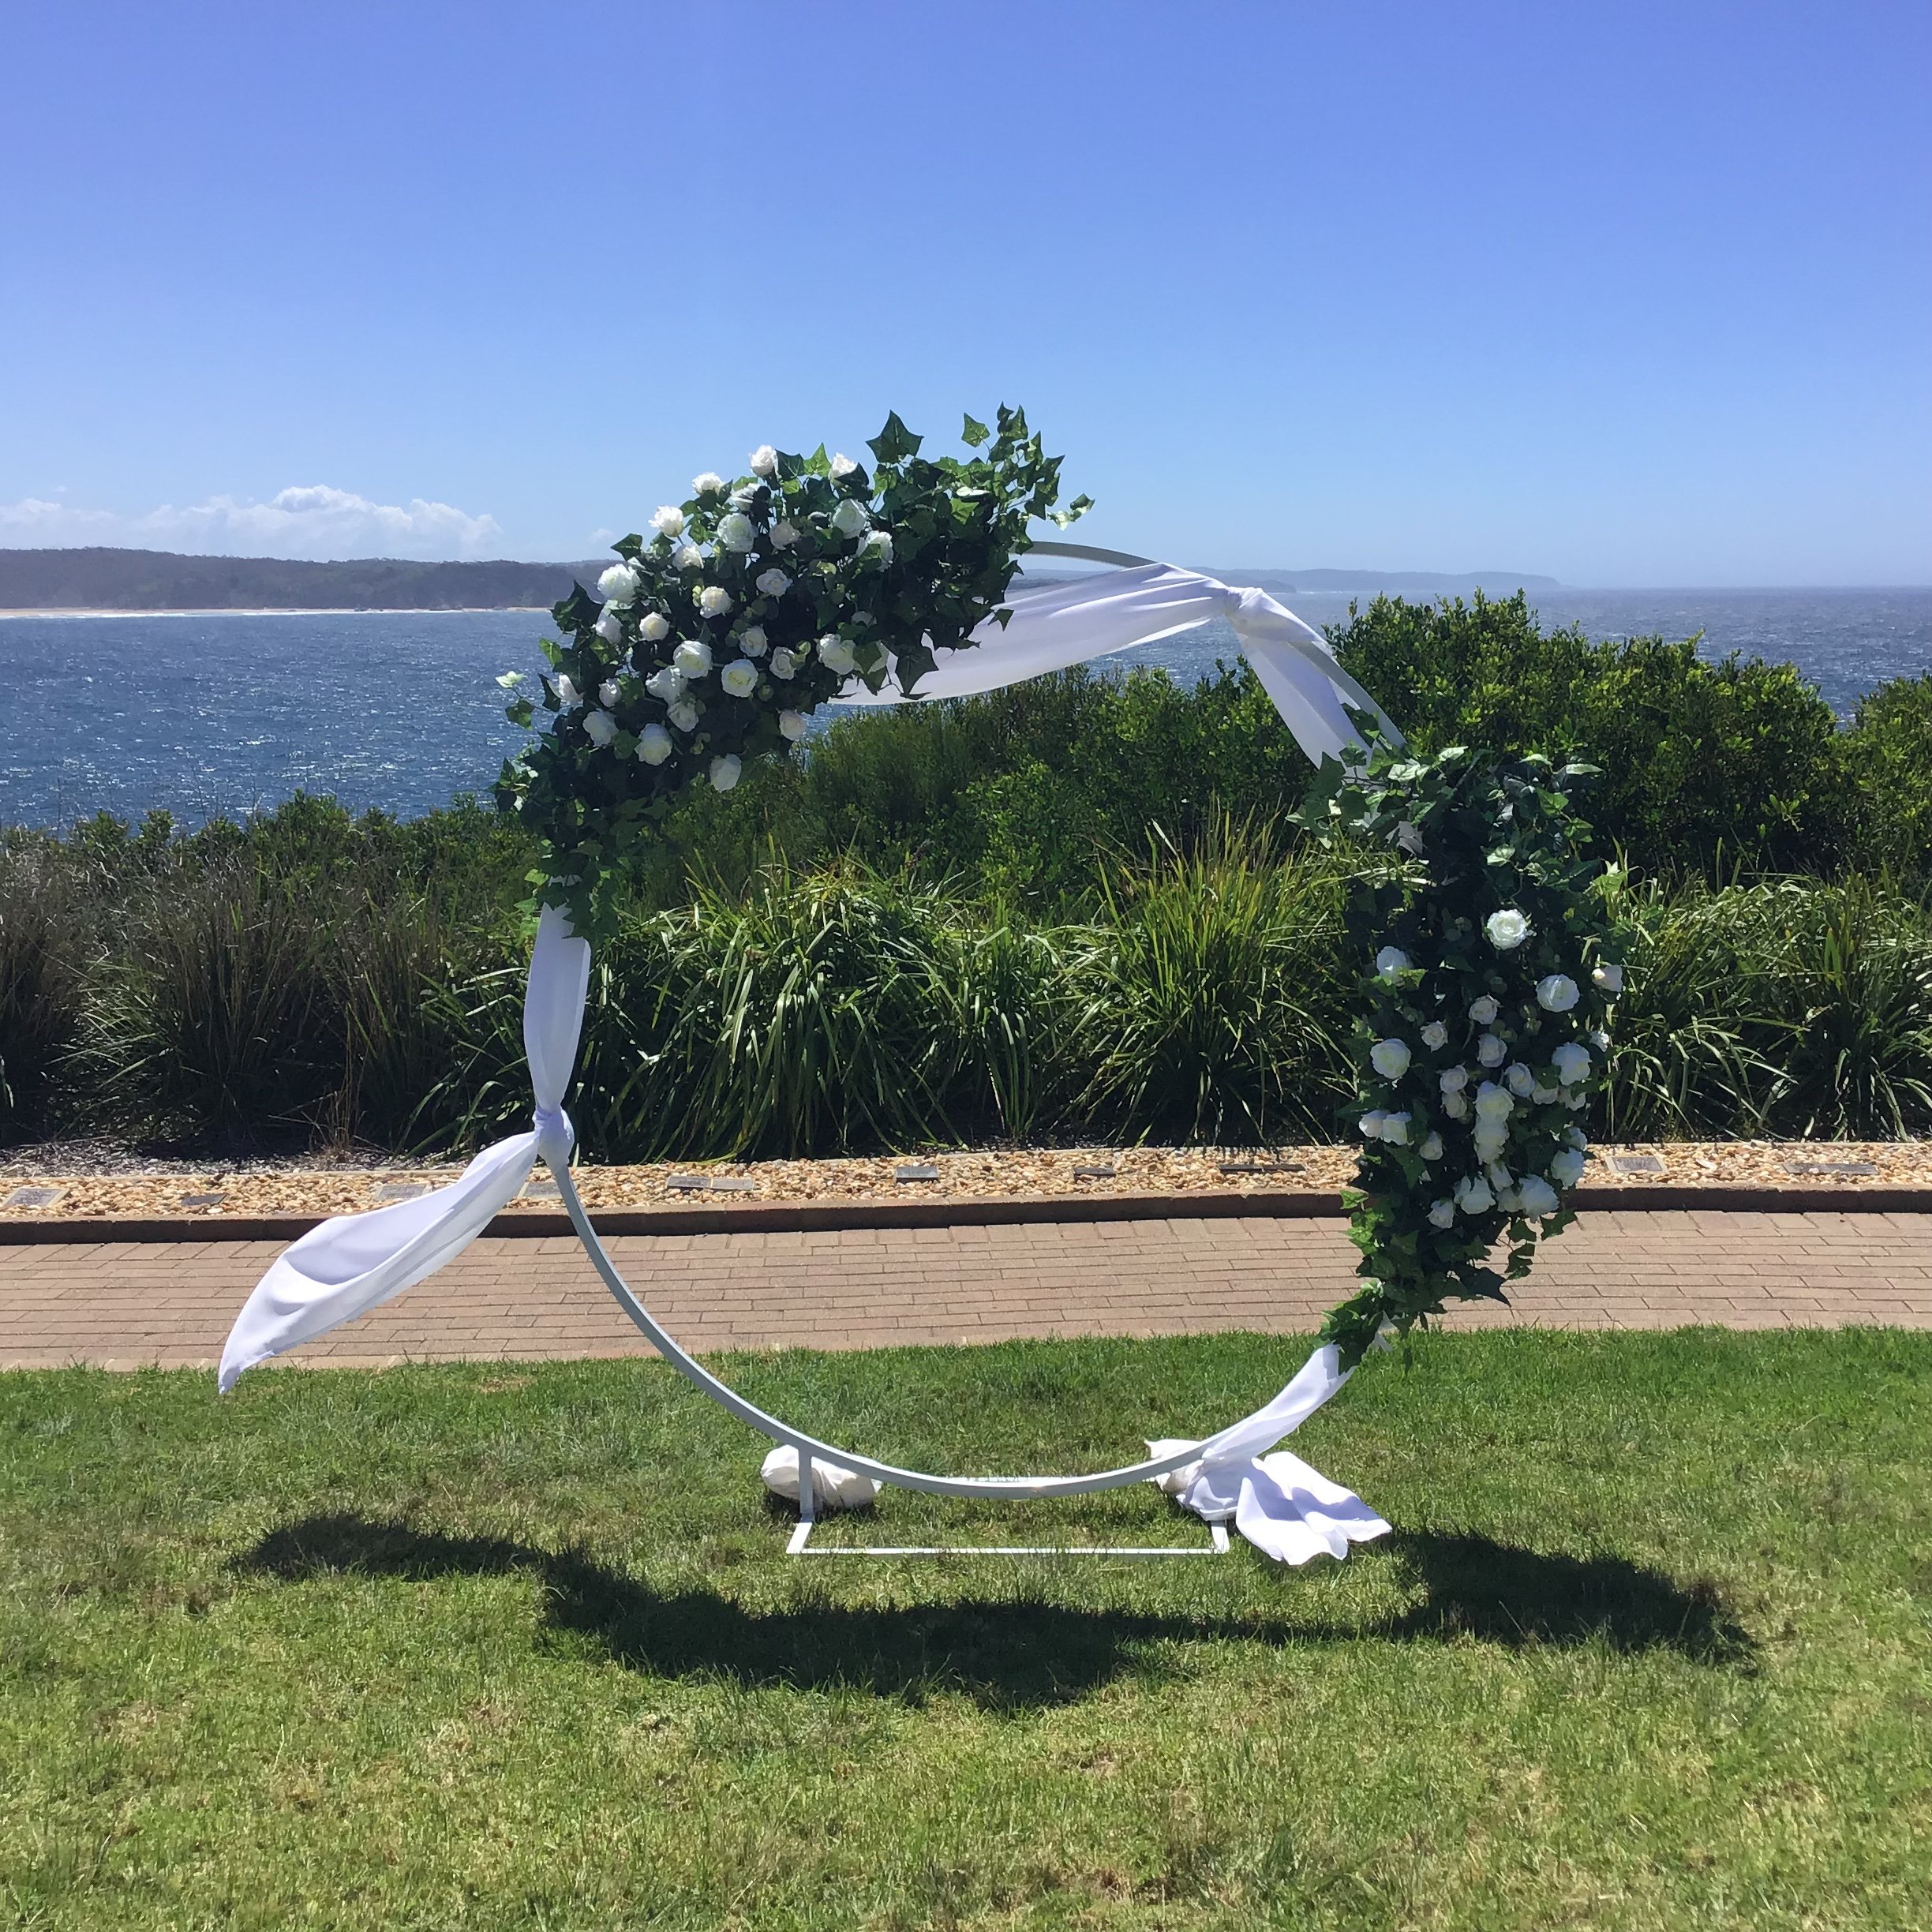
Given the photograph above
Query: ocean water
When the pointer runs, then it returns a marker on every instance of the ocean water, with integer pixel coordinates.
(222, 713)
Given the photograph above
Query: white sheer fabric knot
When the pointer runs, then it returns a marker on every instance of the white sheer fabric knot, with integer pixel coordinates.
(555, 1137)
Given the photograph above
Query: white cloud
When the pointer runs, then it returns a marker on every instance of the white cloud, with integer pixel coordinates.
(309, 520)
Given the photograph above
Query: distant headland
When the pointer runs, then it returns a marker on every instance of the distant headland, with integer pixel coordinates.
(97, 579)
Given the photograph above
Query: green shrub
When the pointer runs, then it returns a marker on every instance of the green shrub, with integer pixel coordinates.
(1889, 749)
(1705, 765)
(45, 933)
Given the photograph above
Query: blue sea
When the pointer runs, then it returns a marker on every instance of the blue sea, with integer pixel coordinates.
(220, 714)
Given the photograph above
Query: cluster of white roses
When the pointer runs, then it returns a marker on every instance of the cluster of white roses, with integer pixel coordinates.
(1531, 1074)
(706, 653)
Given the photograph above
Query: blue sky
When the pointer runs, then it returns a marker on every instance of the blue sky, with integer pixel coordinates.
(1627, 295)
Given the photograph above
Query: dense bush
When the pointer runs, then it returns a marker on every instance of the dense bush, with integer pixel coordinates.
(1704, 765)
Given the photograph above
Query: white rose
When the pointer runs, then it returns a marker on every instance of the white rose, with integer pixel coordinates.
(609, 627)
(687, 556)
(1535, 1196)
(784, 536)
(567, 691)
(1390, 961)
(1370, 1124)
(782, 663)
(763, 461)
(1577, 1138)
(692, 658)
(849, 519)
(725, 771)
(771, 583)
(1565, 1167)
(1455, 1106)
(1442, 1213)
(1576, 1100)
(600, 727)
(1473, 1195)
(751, 640)
(842, 465)
(1485, 1010)
(836, 655)
(709, 484)
(1608, 979)
(666, 684)
(735, 532)
(668, 521)
(1390, 1058)
(880, 541)
(1519, 1080)
(1431, 1148)
(1506, 930)
(1395, 1129)
(739, 677)
(1453, 1079)
(713, 601)
(607, 692)
(1494, 1103)
(1490, 1050)
(1501, 1178)
(1434, 1035)
(1556, 993)
(655, 628)
(618, 585)
(1544, 1096)
(683, 714)
(791, 725)
(1572, 1062)
(1599, 1039)
(654, 745)
(1489, 1140)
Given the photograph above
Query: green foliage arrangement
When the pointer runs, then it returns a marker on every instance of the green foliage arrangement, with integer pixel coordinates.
(751, 604)
(1488, 965)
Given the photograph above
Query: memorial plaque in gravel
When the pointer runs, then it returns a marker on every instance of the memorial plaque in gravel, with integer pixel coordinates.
(1853, 1169)
(722, 1183)
(919, 1170)
(541, 1190)
(403, 1190)
(203, 1200)
(1636, 1164)
(1261, 1167)
(32, 1197)
(1096, 1172)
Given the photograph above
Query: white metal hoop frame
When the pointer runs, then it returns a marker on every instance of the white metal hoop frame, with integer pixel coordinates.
(811, 1448)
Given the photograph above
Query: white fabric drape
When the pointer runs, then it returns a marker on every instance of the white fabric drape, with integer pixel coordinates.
(1282, 1506)
(354, 1263)
(1090, 617)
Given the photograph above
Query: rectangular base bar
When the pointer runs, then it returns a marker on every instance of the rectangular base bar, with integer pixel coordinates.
(801, 1545)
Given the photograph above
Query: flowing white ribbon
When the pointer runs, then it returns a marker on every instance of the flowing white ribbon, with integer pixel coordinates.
(354, 1263)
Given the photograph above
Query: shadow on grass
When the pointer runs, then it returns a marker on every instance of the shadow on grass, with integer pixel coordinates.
(1019, 1653)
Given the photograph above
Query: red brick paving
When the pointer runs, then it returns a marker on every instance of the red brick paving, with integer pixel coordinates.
(125, 1305)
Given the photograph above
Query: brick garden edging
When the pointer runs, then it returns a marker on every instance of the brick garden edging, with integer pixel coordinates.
(965, 1210)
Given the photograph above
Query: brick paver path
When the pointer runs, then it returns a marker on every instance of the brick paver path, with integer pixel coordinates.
(124, 1305)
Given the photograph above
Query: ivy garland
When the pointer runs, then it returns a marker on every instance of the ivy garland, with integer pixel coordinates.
(752, 604)
(1491, 955)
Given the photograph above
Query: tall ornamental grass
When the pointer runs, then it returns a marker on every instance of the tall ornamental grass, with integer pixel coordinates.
(242, 990)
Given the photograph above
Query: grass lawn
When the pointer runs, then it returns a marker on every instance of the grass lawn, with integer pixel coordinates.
(471, 1647)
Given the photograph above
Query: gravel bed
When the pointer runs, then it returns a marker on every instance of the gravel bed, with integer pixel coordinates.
(81, 1179)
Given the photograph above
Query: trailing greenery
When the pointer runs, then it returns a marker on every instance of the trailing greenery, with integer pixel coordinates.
(472, 1646)
(1487, 957)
